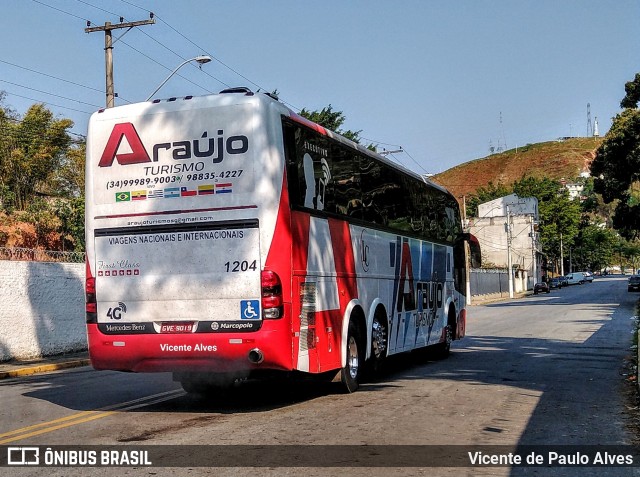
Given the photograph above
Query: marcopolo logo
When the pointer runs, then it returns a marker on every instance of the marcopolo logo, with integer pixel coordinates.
(204, 147)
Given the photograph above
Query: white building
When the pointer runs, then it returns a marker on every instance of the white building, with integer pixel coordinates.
(507, 229)
(575, 189)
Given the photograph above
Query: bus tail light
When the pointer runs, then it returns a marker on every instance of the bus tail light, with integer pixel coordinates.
(91, 305)
(272, 303)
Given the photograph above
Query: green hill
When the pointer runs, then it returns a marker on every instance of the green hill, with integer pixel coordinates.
(561, 159)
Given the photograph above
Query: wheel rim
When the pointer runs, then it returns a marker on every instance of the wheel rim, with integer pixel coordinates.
(352, 358)
(378, 339)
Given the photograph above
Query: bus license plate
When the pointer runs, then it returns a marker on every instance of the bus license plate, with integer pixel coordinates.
(177, 327)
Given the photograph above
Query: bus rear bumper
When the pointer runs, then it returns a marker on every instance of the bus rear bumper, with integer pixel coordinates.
(270, 348)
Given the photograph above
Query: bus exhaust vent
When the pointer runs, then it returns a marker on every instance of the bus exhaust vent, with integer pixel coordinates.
(307, 315)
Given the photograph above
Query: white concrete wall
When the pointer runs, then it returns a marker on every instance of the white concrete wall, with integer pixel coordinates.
(41, 309)
(492, 235)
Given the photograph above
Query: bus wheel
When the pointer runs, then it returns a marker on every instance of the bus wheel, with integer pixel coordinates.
(351, 373)
(442, 349)
(379, 343)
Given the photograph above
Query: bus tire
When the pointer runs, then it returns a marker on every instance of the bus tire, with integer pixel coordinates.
(443, 349)
(352, 372)
(379, 342)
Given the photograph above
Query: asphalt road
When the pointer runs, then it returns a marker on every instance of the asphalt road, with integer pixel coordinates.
(542, 370)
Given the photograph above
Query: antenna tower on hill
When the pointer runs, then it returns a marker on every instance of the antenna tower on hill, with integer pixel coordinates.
(502, 146)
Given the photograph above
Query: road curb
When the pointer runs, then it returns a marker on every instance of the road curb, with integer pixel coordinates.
(43, 368)
(493, 299)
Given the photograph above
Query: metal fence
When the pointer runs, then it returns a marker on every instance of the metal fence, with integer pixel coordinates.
(34, 255)
(488, 281)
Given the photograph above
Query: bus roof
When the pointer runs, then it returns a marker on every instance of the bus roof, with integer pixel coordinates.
(243, 95)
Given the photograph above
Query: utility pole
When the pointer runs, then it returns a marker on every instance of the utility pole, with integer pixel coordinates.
(561, 257)
(108, 49)
(570, 262)
(464, 210)
(467, 253)
(509, 259)
(534, 249)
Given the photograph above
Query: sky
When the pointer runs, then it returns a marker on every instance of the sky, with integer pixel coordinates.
(443, 80)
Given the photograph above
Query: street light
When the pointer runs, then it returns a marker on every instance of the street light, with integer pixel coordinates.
(200, 59)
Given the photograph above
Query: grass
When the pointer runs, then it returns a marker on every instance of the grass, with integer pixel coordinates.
(554, 159)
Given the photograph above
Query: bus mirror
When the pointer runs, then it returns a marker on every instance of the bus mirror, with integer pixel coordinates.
(475, 255)
(474, 251)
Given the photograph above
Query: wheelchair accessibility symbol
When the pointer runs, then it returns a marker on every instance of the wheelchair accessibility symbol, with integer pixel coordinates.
(250, 309)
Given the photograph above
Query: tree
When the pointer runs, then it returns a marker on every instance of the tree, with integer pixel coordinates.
(6, 112)
(333, 121)
(71, 215)
(69, 178)
(559, 217)
(42, 178)
(33, 149)
(594, 247)
(632, 88)
(616, 167)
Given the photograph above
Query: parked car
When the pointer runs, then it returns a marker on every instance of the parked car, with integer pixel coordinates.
(634, 283)
(575, 278)
(588, 277)
(540, 287)
(563, 281)
(555, 283)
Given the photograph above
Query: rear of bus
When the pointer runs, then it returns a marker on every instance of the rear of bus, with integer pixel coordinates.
(182, 204)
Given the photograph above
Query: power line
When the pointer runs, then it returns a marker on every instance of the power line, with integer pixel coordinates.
(108, 50)
(160, 43)
(125, 43)
(397, 146)
(51, 76)
(47, 92)
(132, 25)
(204, 50)
(398, 161)
(198, 46)
(60, 10)
(60, 79)
(414, 161)
(166, 67)
(29, 133)
(49, 103)
(295, 108)
(420, 166)
(122, 19)
(184, 59)
(100, 8)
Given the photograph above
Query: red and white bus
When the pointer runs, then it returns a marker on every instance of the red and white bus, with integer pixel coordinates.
(227, 235)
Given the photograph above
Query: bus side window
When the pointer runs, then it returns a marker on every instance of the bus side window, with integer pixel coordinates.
(344, 195)
(372, 192)
(293, 167)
